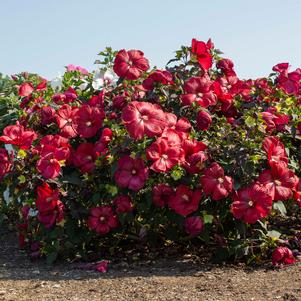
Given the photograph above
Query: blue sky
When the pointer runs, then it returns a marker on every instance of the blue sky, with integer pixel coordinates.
(44, 36)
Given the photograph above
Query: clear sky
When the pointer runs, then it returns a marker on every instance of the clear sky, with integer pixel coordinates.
(44, 36)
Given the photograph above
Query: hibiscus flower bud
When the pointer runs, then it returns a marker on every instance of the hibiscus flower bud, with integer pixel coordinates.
(225, 65)
(119, 101)
(106, 135)
(203, 120)
(47, 115)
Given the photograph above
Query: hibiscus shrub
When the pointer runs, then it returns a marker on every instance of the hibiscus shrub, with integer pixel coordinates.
(124, 156)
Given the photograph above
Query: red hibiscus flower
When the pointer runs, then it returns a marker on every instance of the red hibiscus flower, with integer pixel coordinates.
(183, 125)
(281, 67)
(202, 51)
(215, 183)
(54, 141)
(131, 173)
(193, 225)
(297, 193)
(67, 97)
(49, 206)
(102, 219)
(195, 155)
(130, 64)
(275, 150)
(84, 157)
(290, 82)
(25, 89)
(198, 90)
(161, 195)
(274, 120)
(123, 204)
(51, 158)
(48, 219)
(47, 198)
(282, 255)
(101, 146)
(143, 118)
(163, 77)
(97, 100)
(203, 120)
(17, 135)
(185, 201)
(88, 121)
(5, 163)
(251, 204)
(65, 120)
(42, 85)
(279, 180)
(163, 155)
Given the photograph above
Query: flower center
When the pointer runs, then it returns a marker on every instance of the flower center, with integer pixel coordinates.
(200, 95)
(277, 182)
(200, 165)
(220, 180)
(165, 157)
(185, 197)
(144, 117)
(134, 171)
(88, 123)
(102, 219)
(69, 120)
(89, 158)
(251, 203)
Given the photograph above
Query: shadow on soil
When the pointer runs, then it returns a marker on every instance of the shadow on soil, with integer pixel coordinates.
(15, 265)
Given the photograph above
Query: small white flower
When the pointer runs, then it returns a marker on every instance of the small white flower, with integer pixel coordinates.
(83, 85)
(57, 82)
(102, 78)
(9, 147)
(32, 212)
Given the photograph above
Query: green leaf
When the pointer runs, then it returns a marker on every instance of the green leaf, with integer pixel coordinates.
(22, 179)
(177, 173)
(250, 121)
(111, 189)
(279, 206)
(208, 218)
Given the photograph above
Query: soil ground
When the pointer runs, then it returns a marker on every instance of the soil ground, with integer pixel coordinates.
(21, 279)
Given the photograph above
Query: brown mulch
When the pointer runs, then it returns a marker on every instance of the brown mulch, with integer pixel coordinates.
(161, 279)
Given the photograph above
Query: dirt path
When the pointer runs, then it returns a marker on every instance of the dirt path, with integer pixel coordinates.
(162, 280)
